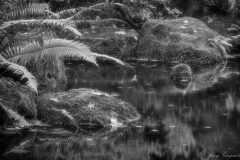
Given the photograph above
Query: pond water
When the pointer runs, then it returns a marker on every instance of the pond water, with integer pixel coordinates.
(199, 122)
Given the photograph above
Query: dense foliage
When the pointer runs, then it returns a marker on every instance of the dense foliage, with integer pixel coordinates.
(31, 31)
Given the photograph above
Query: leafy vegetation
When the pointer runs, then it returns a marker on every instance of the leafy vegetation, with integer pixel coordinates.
(30, 32)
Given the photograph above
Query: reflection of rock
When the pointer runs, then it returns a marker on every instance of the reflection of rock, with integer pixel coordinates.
(104, 71)
(84, 108)
(50, 75)
(181, 76)
(185, 40)
(101, 77)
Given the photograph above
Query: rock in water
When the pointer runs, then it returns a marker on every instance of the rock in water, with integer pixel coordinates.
(84, 108)
(185, 40)
(181, 76)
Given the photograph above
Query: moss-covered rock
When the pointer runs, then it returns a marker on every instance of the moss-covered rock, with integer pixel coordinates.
(18, 98)
(17, 107)
(84, 108)
(119, 43)
(185, 40)
(50, 75)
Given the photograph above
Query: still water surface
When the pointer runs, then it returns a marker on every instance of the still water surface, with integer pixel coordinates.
(200, 122)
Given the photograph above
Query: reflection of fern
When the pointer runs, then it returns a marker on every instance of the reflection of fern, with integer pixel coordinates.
(222, 43)
(234, 39)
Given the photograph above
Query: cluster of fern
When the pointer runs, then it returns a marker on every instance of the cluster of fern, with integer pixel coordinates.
(30, 31)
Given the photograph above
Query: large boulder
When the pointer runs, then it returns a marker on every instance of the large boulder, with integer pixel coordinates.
(84, 108)
(185, 40)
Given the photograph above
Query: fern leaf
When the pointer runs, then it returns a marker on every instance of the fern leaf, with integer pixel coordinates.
(82, 12)
(58, 26)
(61, 26)
(18, 23)
(74, 31)
(69, 12)
(52, 15)
(19, 70)
(19, 120)
(32, 9)
(58, 48)
(107, 5)
(110, 58)
(52, 23)
(88, 23)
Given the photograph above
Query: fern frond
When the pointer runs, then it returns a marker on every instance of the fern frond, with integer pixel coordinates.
(58, 26)
(57, 48)
(32, 9)
(19, 70)
(53, 23)
(88, 23)
(69, 12)
(52, 15)
(110, 58)
(19, 120)
(19, 24)
(82, 12)
(74, 31)
(223, 43)
(107, 5)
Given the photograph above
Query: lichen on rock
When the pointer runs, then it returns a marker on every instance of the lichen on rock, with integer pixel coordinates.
(84, 108)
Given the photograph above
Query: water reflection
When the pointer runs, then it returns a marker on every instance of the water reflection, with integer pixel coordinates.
(207, 110)
(199, 121)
